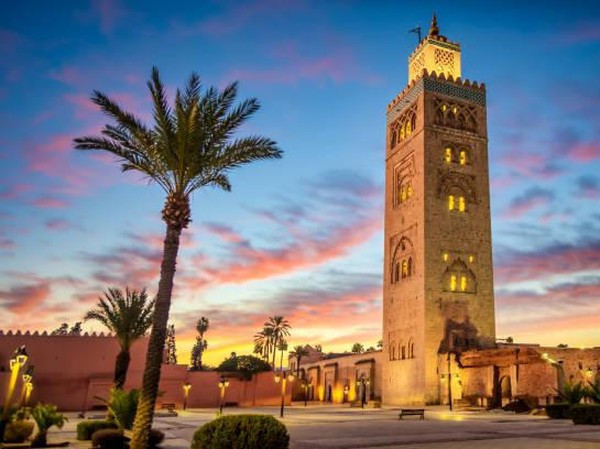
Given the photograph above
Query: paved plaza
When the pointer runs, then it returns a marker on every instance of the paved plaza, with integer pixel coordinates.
(333, 427)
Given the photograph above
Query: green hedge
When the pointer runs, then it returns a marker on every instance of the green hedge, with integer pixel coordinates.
(108, 439)
(559, 411)
(586, 414)
(85, 429)
(242, 432)
(18, 431)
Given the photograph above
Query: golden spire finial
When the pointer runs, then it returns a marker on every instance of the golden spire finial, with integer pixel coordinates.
(433, 28)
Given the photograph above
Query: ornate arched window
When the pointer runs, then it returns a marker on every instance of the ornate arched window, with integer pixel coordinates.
(448, 155)
(457, 199)
(402, 260)
(405, 189)
(396, 273)
(462, 157)
(404, 269)
(410, 349)
(458, 277)
(394, 139)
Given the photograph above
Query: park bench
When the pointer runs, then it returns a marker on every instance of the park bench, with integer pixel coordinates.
(169, 407)
(412, 412)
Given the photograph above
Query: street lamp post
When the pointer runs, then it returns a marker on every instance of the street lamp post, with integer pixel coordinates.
(305, 388)
(223, 384)
(186, 392)
(449, 381)
(17, 361)
(362, 382)
(284, 378)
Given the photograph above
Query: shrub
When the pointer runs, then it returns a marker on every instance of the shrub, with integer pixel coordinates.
(242, 432)
(85, 429)
(247, 365)
(18, 431)
(558, 411)
(518, 406)
(586, 414)
(155, 438)
(45, 416)
(108, 439)
(123, 406)
(572, 393)
(593, 390)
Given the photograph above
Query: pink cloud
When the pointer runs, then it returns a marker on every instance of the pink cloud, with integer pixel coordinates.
(559, 259)
(249, 263)
(57, 224)
(15, 191)
(582, 32)
(25, 298)
(225, 233)
(109, 13)
(6, 244)
(72, 76)
(584, 152)
(531, 199)
(531, 165)
(9, 41)
(47, 202)
(237, 15)
(291, 67)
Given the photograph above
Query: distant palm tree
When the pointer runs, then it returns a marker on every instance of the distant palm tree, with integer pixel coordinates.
(129, 317)
(263, 342)
(190, 145)
(201, 344)
(358, 348)
(282, 346)
(299, 352)
(280, 328)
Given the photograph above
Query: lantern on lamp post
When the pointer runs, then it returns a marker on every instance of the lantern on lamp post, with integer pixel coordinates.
(27, 386)
(223, 384)
(186, 392)
(283, 377)
(17, 361)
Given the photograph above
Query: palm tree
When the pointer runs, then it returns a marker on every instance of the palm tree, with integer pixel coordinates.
(282, 346)
(263, 342)
(358, 348)
(299, 352)
(128, 316)
(201, 344)
(189, 146)
(280, 328)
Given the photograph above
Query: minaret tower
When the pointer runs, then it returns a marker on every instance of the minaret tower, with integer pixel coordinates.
(438, 277)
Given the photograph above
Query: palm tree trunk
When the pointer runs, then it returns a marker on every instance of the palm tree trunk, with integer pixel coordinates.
(156, 345)
(121, 367)
(298, 367)
(281, 360)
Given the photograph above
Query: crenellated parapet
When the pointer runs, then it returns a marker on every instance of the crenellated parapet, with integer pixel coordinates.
(27, 333)
(473, 86)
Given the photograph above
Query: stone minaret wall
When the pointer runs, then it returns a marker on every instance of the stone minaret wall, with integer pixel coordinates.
(438, 275)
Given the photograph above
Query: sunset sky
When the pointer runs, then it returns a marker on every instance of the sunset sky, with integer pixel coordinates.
(302, 236)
